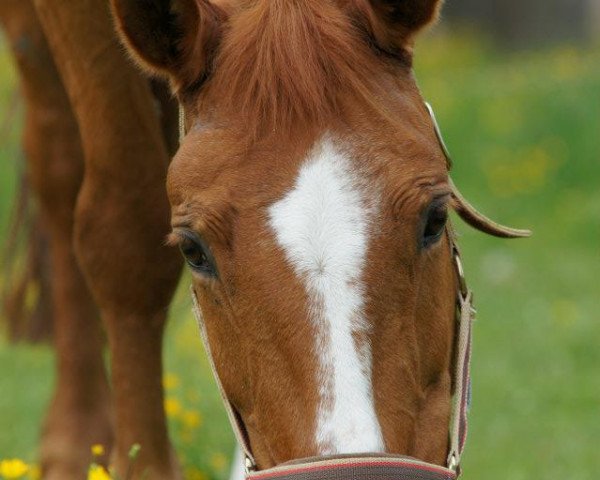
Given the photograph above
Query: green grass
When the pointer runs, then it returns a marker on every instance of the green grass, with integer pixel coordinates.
(524, 131)
(10, 120)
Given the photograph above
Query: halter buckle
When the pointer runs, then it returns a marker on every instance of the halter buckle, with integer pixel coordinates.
(453, 463)
(248, 465)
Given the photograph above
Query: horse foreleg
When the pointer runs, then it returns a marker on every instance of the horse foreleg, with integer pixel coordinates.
(122, 219)
(79, 414)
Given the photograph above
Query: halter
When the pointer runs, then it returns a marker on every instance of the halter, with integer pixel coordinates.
(376, 465)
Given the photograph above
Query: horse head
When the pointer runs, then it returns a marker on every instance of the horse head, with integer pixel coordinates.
(310, 199)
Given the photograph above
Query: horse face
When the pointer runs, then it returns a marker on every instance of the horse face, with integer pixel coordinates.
(312, 216)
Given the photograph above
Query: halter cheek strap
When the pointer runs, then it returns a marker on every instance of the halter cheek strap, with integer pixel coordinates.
(462, 370)
(234, 418)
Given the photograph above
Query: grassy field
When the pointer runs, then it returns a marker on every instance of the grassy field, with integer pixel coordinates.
(524, 131)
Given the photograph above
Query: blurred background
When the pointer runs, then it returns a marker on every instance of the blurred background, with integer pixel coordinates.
(516, 88)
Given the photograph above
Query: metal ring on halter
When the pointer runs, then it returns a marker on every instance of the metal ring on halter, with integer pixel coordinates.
(249, 465)
(453, 463)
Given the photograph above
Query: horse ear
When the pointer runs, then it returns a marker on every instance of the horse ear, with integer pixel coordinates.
(394, 23)
(177, 39)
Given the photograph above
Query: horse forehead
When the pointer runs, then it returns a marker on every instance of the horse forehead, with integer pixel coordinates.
(324, 218)
(346, 175)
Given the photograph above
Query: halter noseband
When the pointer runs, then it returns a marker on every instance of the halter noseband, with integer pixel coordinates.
(377, 465)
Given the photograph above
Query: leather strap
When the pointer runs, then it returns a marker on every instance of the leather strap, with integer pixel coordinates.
(356, 468)
(234, 418)
(462, 381)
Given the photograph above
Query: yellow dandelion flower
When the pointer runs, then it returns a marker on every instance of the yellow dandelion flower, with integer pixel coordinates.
(170, 381)
(13, 468)
(97, 472)
(191, 419)
(35, 473)
(218, 461)
(172, 407)
(97, 450)
(193, 473)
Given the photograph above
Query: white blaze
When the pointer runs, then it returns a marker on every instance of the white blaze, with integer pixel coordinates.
(322, 225)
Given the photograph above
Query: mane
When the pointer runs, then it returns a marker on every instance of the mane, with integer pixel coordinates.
(283, 63)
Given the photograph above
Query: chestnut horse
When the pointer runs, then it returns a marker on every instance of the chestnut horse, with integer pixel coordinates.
(309, 197)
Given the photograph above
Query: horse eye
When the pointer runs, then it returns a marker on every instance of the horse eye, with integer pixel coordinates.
(197, 255)
(437, 217)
